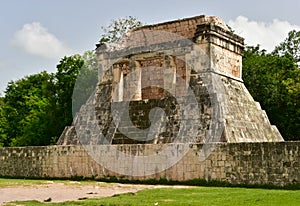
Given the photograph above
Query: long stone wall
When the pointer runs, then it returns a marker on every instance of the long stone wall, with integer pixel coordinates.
(276, 163)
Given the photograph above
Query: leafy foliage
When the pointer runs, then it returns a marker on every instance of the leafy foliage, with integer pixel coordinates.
(86, 82)
(67, 71)
(23, 111)
(290, 47)
(36, 108)
(274, 81)
(3, 124)
(117, 28)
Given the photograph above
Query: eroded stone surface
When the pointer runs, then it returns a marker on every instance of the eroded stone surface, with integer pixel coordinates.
(192, 70)
(243, 163)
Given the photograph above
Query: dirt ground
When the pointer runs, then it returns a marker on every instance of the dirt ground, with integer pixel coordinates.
(61, 192)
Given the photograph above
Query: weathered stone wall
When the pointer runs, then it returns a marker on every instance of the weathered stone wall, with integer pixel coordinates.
(195, 56)
(275, 163)
(222, 46)
(186, 27)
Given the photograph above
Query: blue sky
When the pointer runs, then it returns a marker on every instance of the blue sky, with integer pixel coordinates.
(35, 34)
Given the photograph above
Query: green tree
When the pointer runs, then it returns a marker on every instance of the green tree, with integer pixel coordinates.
(274, 82)
(23, 111)
(65, 78)
(290, 46)
(117, 28)
(3, 125)
(86, 81)
(36, 108)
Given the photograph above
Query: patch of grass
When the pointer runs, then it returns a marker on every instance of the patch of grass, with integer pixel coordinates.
(214, 196)
(161, 181)
(198, 182)
(19, 182)
(4, 182)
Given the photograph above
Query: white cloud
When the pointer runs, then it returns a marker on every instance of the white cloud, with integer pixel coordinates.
(35, 39)
(267, 35)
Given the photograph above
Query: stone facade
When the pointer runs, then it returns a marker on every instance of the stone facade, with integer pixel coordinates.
(173, 86)
(191, 69)
(276, 163)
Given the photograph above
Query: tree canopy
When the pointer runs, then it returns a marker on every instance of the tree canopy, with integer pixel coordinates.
(290, 47)
(36, 108)
(23, 111)
(274, 81)
(117, 28)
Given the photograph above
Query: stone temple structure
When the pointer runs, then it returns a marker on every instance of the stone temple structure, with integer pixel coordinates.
(172, 82)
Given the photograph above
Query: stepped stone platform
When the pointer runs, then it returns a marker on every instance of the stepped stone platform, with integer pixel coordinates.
(172, 82)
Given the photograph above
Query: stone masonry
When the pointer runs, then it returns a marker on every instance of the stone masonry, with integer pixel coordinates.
(175, 86)
(276, 163)
(191, 69)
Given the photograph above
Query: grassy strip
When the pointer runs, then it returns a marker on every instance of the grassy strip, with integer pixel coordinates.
(164, 181)
(4, 182)
(217, 196)
(199, 182)
(20, 182)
